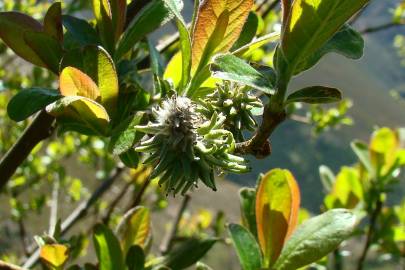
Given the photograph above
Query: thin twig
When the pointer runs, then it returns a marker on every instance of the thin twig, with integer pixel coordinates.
(23, 236)
(81, 211)
(169, 238)
(382, 27)
(53, 217)
(9, 266)
(370, 234)
(116, 201)
(138, 198)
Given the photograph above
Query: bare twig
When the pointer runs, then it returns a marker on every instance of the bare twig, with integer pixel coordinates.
(40, 129)
(169, 238)
(53, 217)
(115, 202)
(23, 236)
(138, 198)
(382, 27)
(370, 234)
(9, 266)
(81, 211)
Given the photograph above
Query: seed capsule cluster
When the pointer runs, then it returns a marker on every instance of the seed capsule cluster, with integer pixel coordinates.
(236, 103)
(185, 147)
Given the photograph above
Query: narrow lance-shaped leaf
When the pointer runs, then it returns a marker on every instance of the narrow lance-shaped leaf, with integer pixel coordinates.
(315, 95)
(363, 154)
(108, 249)
(151, 17)
(118, 12)
(53, 21)
(311, 23)
(316, 238)
(248, 32)
(13, 25)
(247, 248)
(80, 30)
(247, 197)
(277, 207)
(185, 44)
(207, 21)
(232, 68)
(29, 101)
(102, 12)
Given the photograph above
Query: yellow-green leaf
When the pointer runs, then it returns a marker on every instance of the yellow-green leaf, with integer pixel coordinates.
(54, 256)
(207, 23)
(102, 12)
(13, 25)
(135, 228)
(311, 23)
(82, 111)
(73, 82)
(277, 208)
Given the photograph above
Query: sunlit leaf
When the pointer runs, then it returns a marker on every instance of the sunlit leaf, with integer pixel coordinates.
(108, 249)
(311, 23)
(102, 12)
(231, 68)
(315, 95)
(135, 228)
(29, 101)
(13, 25)
(73, 82)
(327, 177)
(81, 110)
(346, 42)
(53, 21)
(277, 207)
(247, 248)
(316, 238)
(208, 22)
(363, 154)
(54, 256)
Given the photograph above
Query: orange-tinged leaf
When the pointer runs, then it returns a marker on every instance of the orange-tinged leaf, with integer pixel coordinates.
(13, 25)
(53, 21)
(135, 228)
(118, 10)
(73, 82)
(207, 18)
(54, 256)
(277, 208)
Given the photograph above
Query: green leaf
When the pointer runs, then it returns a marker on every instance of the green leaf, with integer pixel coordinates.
(232, 68)
(312, 23)
(315, 95)
(13, 25)
(155, 61)
(83, 111)
(363, 154)
(53, 21)
(119, 12)
(185, 43)
(29, 101)
(316, 238)
(135, 258)
(107, 248)
(248, 32)
(102, 12)
(188, 253)
(135, 228)
(247, 197)
(247, 248)
(46, 47)
(80, 30)
(347, 42)
(151, 17)
(125, 135)
(130, 158)
(277, 207)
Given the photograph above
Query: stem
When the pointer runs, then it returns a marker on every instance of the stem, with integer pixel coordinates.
(115, 202)
(53, 219)
(169, 238)
(338, 259)
(23, 236)
(382, 27)
(40, 129)
(371, 231)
